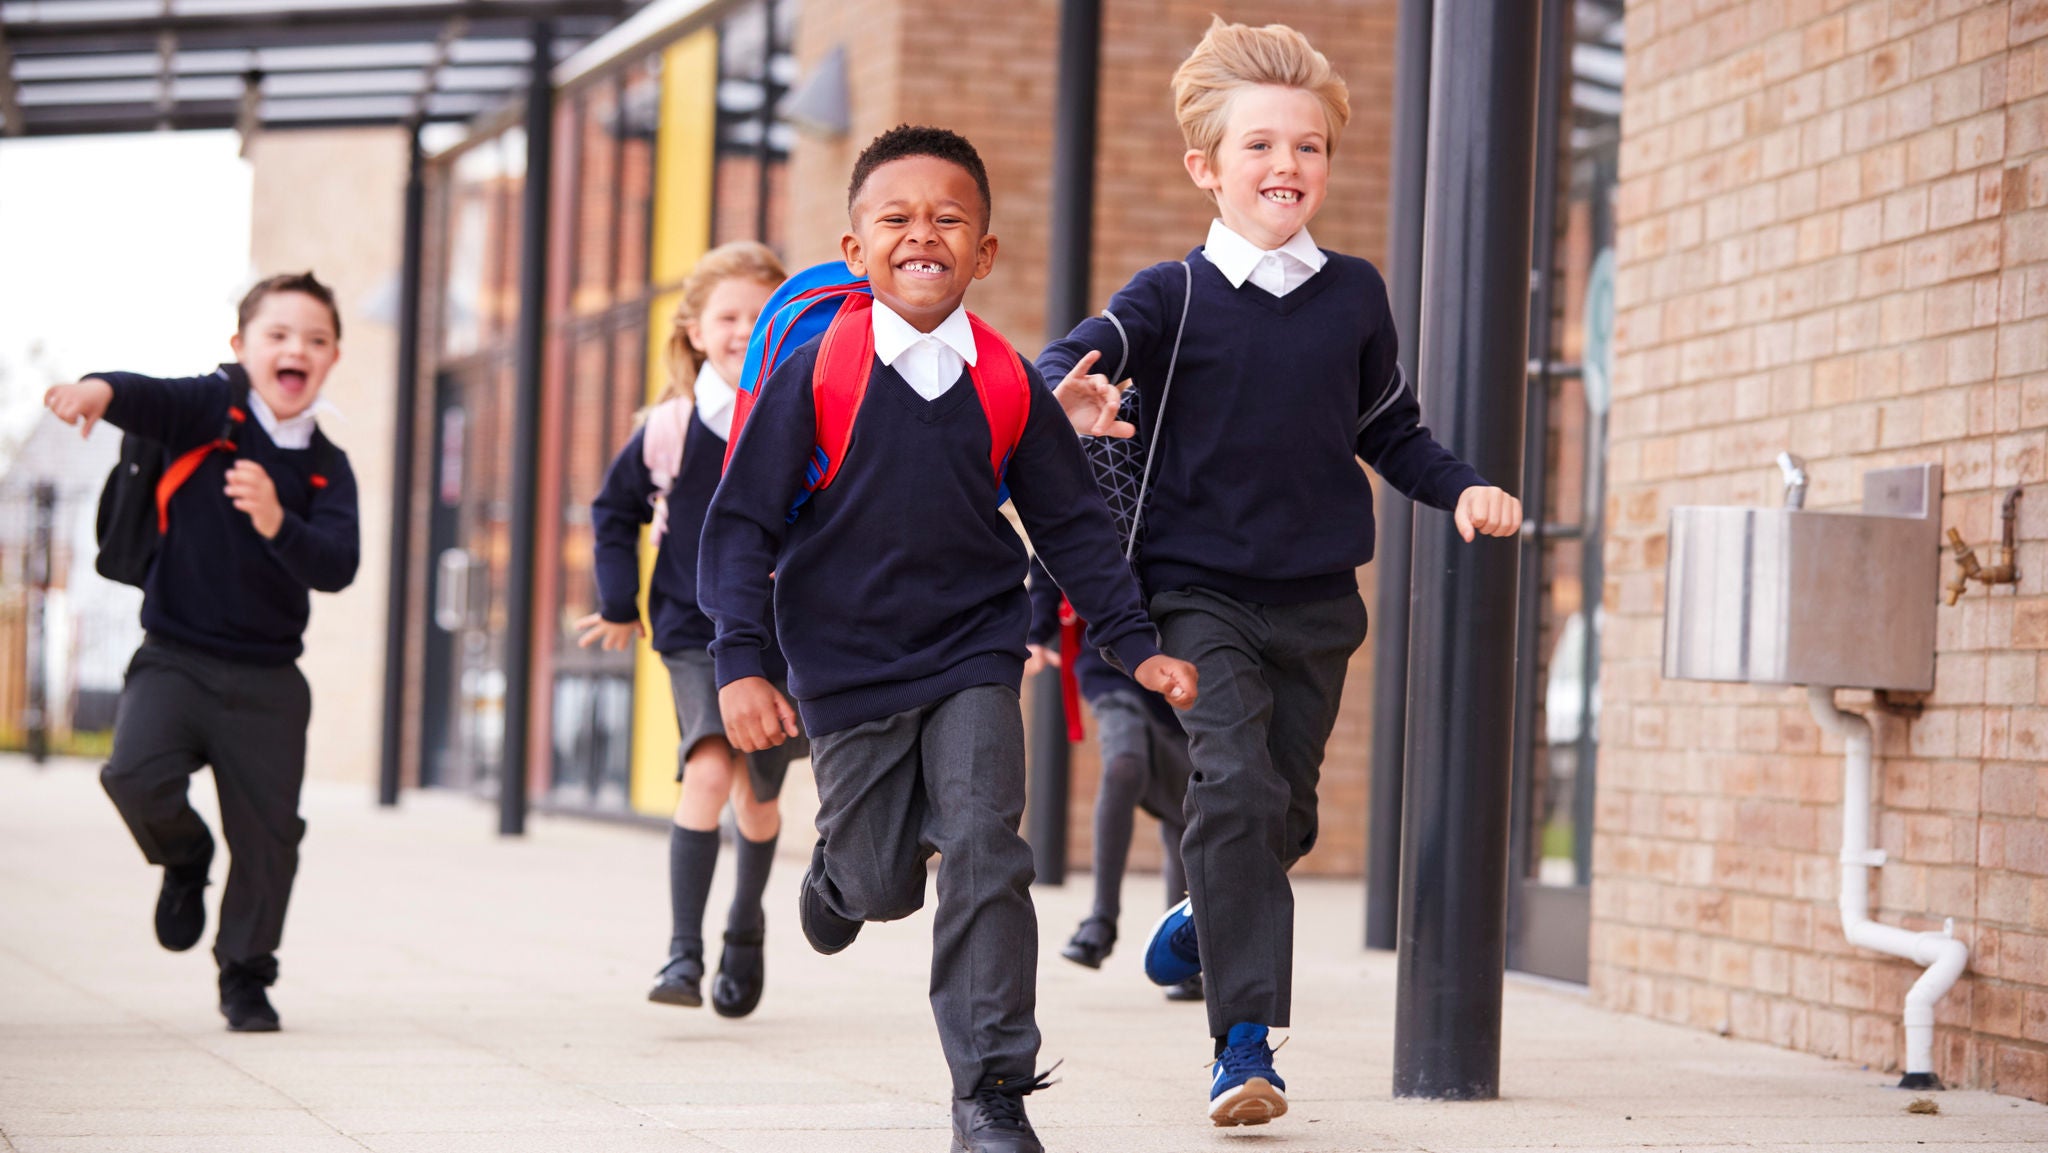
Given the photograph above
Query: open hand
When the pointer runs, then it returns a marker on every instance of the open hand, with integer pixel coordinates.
(1091, 401)
(1489, 511)
(611, 636)
(756, 716)
(250, 488)
(1173, 679)
(80, 404)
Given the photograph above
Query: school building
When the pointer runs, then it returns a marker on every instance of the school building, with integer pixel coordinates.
(1763, 226)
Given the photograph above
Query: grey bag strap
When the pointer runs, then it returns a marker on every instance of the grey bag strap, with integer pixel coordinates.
(1159, 422)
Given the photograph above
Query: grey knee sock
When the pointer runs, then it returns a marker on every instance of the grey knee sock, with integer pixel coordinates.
(750, 880)
(1123, 781)
(692, 857)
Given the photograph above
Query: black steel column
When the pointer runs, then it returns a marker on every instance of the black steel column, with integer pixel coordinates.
(1453, 929)
(396, 599)
(1066, 303)
(1396, 514)
(41, 561)
(532, 341)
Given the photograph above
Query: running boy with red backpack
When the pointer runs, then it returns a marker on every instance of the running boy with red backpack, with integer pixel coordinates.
(868, 479)
(229, 506)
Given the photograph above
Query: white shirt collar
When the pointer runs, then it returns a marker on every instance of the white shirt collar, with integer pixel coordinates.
(294, 432)
(1235, 257)
(894, 335)
(715, 399)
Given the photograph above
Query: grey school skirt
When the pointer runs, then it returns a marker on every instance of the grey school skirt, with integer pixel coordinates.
(693, 680)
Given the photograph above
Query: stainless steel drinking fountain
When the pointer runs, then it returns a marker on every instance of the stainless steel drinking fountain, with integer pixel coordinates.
(1786, 596)
(1783, 596)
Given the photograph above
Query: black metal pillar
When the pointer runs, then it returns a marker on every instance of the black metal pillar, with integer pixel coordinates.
(531, 337)
(1453, 928)
(1066, 303)
(397, 603)
(1397, 514)
(41, 561)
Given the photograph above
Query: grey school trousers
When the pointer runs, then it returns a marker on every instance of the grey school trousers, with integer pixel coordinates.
(945, 778)
(182, 709)
(1271, 680)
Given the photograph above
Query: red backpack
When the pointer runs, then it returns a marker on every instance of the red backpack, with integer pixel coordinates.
(839, 382)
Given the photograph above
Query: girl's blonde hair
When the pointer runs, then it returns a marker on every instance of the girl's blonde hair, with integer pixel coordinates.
(1235, 56)
(742, 259)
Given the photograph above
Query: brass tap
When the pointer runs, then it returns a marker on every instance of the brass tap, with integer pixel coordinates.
(2005, 572)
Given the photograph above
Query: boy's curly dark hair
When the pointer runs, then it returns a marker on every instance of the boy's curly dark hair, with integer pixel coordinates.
(300, 282)
(907, 140)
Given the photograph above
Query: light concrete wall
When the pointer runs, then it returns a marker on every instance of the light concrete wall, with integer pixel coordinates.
(333, 202)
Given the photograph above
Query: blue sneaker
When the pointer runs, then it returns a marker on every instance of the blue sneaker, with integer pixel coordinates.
(1171, 956)
(1244, 1089)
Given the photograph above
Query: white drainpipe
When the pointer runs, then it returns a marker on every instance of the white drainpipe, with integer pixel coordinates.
(1943, 955)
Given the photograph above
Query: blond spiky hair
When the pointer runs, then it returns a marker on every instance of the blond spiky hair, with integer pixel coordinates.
(1234, 56)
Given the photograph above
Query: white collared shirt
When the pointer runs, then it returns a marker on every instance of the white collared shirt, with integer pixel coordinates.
(715, 397)
(930, 362)
(295, 432)
(1279, 271)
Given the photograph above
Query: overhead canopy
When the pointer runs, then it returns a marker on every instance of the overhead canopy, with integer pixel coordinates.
(84, 66)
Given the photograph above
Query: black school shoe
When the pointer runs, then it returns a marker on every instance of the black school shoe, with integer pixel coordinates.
(827, 931)
(1092, 942)
(1188, 990)
(741, 973)
(993, 1120)
(243, 1001)
(181, 904)
(678, 983)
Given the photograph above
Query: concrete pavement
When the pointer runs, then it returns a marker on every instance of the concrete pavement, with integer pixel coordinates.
(445, 990)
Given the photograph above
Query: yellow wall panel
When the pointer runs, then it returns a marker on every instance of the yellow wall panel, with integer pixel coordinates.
(682, 231)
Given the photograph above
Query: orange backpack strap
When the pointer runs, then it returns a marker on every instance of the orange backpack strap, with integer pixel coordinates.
(180, 470)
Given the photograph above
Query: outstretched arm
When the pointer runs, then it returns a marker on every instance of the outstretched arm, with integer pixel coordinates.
(1392, 439)
(1091, 362)
(1076, 542)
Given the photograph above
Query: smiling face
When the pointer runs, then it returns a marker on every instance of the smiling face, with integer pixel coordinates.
(721, 331)
(1272, 168)
(920, 236)
(287, 348)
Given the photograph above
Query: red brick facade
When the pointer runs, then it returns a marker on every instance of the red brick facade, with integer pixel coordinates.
(1834, 240)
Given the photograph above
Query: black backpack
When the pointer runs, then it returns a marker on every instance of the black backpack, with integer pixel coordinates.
(135, 504)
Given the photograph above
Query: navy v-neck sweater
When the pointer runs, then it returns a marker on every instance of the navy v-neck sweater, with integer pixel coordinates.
(216, 584)
(903, 583)
(1256, 491)
(625, 503)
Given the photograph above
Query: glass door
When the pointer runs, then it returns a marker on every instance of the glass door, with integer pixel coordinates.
(1558, 702)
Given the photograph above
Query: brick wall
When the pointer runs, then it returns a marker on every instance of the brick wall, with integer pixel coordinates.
(989, 71)
(1834, 240)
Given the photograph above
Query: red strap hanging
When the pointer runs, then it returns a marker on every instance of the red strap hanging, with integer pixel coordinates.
(1071, 627)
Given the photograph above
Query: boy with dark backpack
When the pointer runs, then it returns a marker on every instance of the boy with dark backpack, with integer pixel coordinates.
(868, 479)
(254, 507)
(1266, 371)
